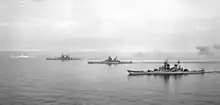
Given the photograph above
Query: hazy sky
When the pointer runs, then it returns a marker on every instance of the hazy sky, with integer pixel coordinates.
(122, 25)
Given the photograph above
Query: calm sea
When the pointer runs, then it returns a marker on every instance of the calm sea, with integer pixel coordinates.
(40, 82)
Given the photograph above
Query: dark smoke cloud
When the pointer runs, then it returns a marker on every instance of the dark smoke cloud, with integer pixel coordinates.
(216, 46)
(204, 50)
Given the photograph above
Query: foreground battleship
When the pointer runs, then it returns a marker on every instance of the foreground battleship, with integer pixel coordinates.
(109, 61)
(150, 72)
(166, 70)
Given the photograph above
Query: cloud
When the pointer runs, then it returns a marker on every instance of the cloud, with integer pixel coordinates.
(140, 26)
(32, 50)
(87, 50)
(38, 0)
(4, 24)
(42, 24)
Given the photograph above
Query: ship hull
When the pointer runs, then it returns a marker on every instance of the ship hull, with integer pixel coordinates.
(134, 72)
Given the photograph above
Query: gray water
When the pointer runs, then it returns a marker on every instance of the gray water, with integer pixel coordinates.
(41, 82)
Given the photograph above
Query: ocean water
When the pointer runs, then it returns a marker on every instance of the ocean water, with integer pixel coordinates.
(37, 81)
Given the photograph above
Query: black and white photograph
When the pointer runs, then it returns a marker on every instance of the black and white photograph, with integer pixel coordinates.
(109, 52)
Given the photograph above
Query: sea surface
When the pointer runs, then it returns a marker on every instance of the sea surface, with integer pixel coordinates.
(38, 81)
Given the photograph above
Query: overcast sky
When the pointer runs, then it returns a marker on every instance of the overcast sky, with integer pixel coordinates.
(121, 25)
